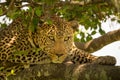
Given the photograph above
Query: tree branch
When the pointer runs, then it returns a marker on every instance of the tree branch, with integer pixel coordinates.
(99, 42)
(9, 7)
(68, 72)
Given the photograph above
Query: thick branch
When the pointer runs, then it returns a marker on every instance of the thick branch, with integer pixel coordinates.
(99, 42)
(68, 72)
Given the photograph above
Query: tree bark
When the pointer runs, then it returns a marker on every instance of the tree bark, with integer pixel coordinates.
(98, 43)
(68, 71)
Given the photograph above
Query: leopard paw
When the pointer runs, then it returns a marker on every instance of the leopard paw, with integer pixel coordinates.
(105, 60)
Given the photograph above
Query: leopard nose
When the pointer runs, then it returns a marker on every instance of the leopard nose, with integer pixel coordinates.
(59, 55)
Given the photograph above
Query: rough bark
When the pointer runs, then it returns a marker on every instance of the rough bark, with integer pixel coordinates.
(98, 43)
(69, 72)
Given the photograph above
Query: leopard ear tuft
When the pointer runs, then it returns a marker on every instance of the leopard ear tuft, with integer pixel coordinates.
(75, 25)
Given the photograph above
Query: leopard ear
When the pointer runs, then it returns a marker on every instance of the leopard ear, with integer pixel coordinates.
(75, 25)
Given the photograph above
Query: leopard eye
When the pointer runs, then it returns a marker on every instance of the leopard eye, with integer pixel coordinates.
(52, 38)
(67, 38)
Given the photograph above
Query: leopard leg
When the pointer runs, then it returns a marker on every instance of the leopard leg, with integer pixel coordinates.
(105, 60)
(32, 57)
(80, 56)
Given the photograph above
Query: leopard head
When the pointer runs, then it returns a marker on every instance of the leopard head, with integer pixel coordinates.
(56, 39)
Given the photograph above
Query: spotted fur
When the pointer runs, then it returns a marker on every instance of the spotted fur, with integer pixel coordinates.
(50, 43)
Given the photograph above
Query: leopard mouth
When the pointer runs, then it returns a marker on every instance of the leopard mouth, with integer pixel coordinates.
(57, 59)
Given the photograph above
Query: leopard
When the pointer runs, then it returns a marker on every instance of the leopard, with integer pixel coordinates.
(49, 43)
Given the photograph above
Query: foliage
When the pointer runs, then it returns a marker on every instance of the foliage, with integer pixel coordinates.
(88, 13)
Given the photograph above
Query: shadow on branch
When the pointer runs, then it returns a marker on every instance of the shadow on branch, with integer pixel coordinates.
(68, 71)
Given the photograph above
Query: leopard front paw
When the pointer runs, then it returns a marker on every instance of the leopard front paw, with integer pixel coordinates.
(105, 60)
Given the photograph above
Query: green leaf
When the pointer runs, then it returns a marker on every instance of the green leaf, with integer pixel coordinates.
(13, 72)
(82, 39)
(82, 34)
(101, 31)
(3, 25)
(49, 21)
(76, 38)
(38, 11)
(88, 38)
(113, 19)
(35, 21)
(93, 32)
(34, 25)
(118, 21)
(16, 14)
(1, 11)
